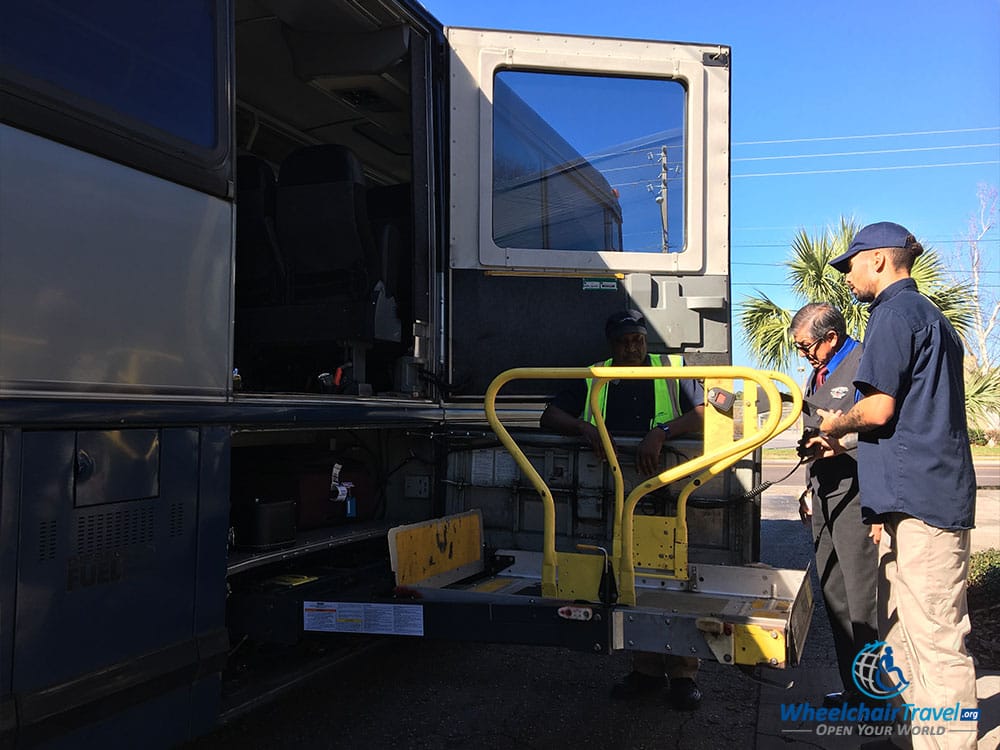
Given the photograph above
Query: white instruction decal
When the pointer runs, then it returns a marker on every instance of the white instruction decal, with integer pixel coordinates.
(494, 468)
(359, 617)
(482, 468)
(507, 472)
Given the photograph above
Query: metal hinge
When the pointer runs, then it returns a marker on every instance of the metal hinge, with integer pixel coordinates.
(717, 59)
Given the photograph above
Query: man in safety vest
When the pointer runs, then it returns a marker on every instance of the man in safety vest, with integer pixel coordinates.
(659, 410)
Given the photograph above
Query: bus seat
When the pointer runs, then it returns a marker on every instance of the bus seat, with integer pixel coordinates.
(391, 214)
(335, 293)
(323, 224)
(260, 273)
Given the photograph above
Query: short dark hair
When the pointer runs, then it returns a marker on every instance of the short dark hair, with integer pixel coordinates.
(903, 258)
(817, 319)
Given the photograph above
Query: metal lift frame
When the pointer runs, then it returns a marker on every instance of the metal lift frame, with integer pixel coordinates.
(734, 614)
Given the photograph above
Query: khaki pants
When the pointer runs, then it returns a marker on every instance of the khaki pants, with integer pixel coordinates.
(923, 616)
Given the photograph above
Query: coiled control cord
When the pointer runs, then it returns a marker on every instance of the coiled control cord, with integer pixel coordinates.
(750, 495)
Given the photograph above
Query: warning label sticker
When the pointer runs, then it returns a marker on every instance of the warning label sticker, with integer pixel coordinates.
(361, 617)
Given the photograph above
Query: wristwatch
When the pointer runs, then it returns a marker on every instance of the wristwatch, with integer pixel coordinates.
(666, 429)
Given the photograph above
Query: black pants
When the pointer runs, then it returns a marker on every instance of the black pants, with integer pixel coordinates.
(846, 559)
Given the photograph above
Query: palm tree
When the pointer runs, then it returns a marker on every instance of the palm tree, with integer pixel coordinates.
(812, 279)
(982, 397)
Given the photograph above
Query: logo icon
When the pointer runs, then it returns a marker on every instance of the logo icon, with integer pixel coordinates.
(875, 674)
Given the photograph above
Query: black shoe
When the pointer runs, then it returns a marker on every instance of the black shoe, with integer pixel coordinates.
(636, 685)
(844, 697)
(685, 695)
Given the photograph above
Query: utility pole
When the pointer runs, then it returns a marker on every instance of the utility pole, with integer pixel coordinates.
(662, 197)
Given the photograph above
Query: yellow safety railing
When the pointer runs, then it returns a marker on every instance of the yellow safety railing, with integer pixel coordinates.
(712, 462)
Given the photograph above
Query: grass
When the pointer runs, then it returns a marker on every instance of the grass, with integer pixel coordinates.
(781, 454)
(788, 454)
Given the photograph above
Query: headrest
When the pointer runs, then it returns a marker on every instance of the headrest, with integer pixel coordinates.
(312, 165)
(253, 173)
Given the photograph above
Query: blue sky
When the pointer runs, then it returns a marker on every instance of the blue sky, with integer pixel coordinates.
(917, 82)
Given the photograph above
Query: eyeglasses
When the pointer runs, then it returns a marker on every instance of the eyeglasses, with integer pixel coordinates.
(808, 348)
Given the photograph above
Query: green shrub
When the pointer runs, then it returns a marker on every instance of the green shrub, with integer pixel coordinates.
(983, 437)
(984, 577)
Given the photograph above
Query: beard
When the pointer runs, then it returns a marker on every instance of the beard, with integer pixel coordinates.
(861, 295)
(631, 359)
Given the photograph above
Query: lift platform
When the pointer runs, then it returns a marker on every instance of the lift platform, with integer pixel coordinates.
(638, 591)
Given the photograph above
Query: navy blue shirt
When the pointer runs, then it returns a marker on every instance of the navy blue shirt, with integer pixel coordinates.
(920, 462)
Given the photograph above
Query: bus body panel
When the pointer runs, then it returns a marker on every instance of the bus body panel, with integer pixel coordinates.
(112, 281)
(120, 566)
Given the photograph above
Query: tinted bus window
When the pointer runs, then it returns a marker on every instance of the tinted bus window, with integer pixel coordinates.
(149, 60)
(588, 163)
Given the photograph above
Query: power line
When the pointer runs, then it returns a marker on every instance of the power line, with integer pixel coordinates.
(656, 140)
(825, 227)
(771, 265)
(643, 182)
(929, 242)
(868, 152)
(865, 153)
(788, 285)
(646, 165)
(869, 135)
(869, 169)
(762, 283)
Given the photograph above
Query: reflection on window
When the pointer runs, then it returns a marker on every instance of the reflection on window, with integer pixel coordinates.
(587, 163)
(149, 60)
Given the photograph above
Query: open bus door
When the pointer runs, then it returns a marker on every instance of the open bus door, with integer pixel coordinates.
(587, 175)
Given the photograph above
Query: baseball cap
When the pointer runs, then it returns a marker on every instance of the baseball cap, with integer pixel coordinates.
(871, 237)
(625, 322)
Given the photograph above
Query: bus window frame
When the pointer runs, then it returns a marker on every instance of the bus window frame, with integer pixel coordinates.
(703, 70)
(47, 110)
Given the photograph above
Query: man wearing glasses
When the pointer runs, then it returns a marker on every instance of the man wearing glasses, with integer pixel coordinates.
(846, 559)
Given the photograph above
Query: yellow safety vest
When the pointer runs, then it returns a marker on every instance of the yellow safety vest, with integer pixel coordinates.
(666, 393)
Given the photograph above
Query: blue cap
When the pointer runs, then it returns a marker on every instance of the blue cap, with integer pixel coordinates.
(623, 323)
(872, 237)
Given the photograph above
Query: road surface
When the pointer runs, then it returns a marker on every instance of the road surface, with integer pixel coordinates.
(423, 694)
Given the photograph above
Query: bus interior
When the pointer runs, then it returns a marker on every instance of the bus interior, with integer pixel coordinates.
(332, 267)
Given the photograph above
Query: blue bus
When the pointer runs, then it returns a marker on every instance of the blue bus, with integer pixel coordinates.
(259, 262)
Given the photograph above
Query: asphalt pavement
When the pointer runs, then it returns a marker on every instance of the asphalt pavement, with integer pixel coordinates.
(423, 694)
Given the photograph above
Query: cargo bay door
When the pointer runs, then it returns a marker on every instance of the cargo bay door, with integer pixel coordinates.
(586, 175)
